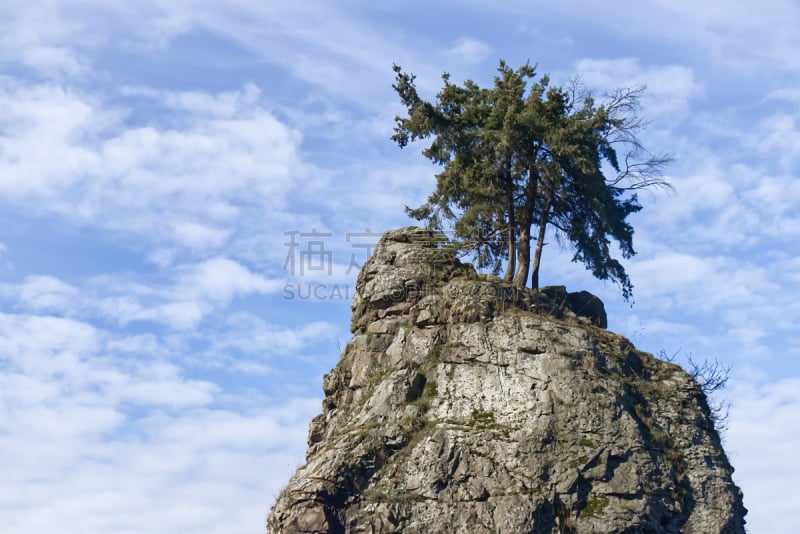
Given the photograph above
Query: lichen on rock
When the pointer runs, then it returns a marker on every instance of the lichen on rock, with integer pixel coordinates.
(464, 404)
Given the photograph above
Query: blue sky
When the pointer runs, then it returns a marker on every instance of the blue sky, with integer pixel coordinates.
(160, 360)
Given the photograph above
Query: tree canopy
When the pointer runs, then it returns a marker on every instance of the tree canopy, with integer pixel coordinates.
(520, 159)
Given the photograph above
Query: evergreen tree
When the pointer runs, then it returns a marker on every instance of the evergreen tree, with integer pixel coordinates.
(519, 159)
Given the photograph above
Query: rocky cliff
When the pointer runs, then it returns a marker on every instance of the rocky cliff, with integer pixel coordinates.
(464, 405)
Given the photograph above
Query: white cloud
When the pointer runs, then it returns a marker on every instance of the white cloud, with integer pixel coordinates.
(93, 439)
(252, 335)
(722, 33)
(469, 51)
(728, 30)
(778, 137)
(762, 441)
(63, 152)
(22, 338)
(227, 104)
(47, 293)
(162, 257)
(181, 315)
(196, 291)
(43, 39)
(54, 61)
(138, 344)
(745, 311)
(790, 94)
(702, 283)
(220, 279)
(330, 47)
(788, 269)
(198, 236)
(5, 263)
(670, 88)
(63, 356)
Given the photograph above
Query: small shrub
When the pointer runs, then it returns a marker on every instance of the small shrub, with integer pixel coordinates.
(430, 389)
(594, 506)
(482, 419)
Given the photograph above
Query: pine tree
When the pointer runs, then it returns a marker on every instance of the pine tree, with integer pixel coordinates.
(519, 161)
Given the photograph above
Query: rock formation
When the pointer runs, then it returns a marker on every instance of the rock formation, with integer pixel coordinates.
(464, 405)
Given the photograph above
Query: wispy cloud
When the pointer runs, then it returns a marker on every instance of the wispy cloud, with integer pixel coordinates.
(670, 88)
(65, 152)
(125, 431)
(196, 291)
(762, 440)
(719, 33)
(469, 51)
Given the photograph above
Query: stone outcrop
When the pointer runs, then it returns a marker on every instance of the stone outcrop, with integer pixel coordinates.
(464, 405)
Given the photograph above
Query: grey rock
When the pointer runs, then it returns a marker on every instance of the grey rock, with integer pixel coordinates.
(581, 303)
(464, 405)
(584, 304)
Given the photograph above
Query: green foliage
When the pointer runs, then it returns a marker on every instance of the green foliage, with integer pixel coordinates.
(430, 389)
(416, 429)
(483, 419)
(594, 506)
(517, 158)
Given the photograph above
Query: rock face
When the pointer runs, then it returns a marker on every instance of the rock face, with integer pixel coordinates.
(464, 405)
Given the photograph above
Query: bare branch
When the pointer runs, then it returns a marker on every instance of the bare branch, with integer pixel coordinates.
(642, 174)
(712, 376)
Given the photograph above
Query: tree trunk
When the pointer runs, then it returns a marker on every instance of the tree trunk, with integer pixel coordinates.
(512, 241)
(523, 254)
(525, 223)
(537, 254)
